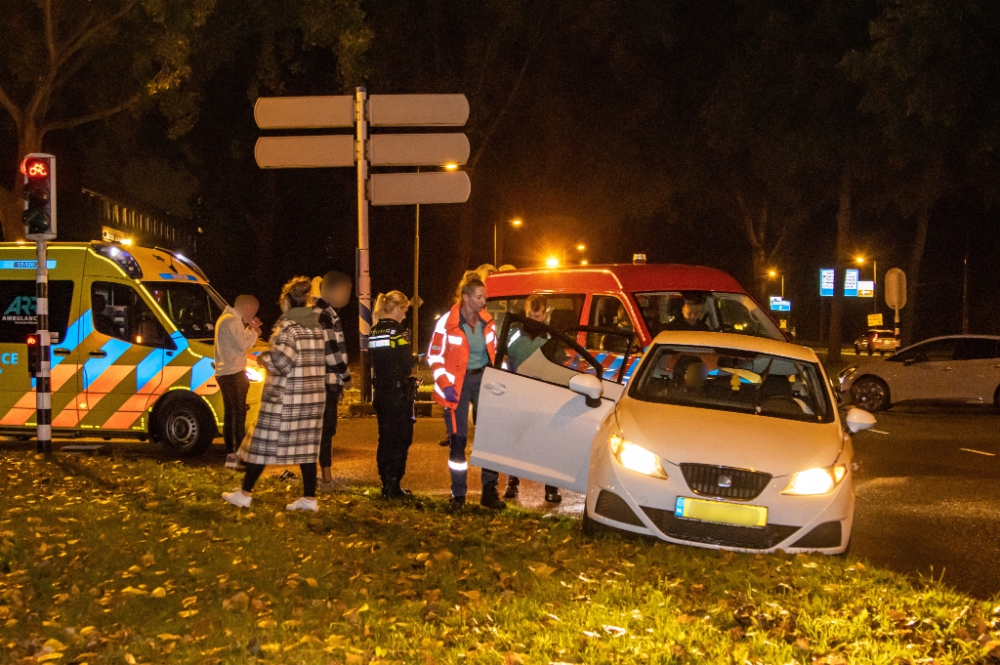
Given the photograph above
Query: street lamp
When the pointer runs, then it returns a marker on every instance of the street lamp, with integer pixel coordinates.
(517, 223)
(552, 262)
(772, 273)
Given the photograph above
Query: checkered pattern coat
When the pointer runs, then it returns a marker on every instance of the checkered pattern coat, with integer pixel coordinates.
(291, 411)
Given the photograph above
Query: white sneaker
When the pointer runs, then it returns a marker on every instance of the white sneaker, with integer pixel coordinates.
(237, 498)
(304, 503)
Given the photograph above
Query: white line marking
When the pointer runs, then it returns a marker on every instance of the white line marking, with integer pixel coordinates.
(877, 431)
(978, 452)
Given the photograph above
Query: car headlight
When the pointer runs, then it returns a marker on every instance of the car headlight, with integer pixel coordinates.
(636, 458)
(815, 481)
(255, 374)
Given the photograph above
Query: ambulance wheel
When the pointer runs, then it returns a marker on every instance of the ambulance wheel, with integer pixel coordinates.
(185, 425)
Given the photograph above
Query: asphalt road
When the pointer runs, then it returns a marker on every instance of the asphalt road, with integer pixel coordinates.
(928, 497)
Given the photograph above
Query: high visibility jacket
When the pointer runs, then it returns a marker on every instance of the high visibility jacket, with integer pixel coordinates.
(448, 354)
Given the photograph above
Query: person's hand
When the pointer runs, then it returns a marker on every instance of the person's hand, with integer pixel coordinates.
(349, 384)
(450, 394)
(256, 324)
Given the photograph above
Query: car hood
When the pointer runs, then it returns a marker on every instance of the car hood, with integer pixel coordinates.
(680, 434)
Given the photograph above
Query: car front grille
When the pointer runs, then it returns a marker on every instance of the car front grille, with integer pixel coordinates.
(724, 535)
(725, 482)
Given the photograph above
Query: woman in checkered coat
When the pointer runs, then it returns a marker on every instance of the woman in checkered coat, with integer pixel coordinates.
(291, 411)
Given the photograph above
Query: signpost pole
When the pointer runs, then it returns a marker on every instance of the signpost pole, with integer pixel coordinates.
(415, 328)
(43, 388)
(364, 279)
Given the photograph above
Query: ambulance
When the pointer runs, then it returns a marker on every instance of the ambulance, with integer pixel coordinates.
(133, 344)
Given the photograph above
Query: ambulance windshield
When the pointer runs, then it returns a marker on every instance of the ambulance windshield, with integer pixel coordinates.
(705, 310)
(193, 307)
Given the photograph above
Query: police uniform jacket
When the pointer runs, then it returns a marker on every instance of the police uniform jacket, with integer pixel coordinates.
(391, 356)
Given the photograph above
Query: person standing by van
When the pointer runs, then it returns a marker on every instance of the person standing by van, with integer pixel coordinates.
(335, 292)
(236, 331)
(463, 344)
(517, 352)
(394, 388)
(292, 403)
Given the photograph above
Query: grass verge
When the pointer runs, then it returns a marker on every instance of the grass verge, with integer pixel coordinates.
(110, 560)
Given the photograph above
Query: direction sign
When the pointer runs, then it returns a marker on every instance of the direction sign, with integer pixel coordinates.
(304, 112)
(827, 279)
(779, 304)
(418, 110)
(866, 289)
(388, 189)
(417, 149)
(851, 283)
(875, 320)
(282, 152)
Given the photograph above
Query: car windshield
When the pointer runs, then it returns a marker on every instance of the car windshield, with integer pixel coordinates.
(193, 307)
(733, 380)
(705, 310)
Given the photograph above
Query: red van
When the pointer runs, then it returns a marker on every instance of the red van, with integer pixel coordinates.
(643, 299)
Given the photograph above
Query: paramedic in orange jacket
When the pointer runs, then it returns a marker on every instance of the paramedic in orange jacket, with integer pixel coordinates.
(463, 344)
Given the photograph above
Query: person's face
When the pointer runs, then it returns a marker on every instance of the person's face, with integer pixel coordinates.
(476, 301)
(693, 311)
(248, 310)
(397, 313)
(285, 305)
(338, 296)
(537, 315)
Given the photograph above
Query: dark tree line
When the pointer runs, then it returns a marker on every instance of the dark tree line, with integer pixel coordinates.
(740, 134)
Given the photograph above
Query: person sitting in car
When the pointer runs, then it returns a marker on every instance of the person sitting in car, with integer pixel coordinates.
(693, 315)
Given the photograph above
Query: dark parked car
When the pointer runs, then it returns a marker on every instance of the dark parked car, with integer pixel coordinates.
(876, 340)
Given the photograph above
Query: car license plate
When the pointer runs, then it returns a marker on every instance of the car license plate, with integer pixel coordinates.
(720, 512)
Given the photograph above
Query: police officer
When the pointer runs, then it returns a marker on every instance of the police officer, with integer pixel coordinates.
(394, 390)
(463, 344)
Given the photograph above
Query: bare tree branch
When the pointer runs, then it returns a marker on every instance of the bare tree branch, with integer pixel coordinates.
(50, 38)
(11, 107)
(69, 123)
(83, 37)
(532, 47)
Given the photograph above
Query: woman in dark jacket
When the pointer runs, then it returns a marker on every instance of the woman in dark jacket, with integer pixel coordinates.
(392, 359)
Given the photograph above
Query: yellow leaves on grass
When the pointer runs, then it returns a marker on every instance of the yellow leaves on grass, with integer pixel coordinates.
(542, 570)
(148, 560)
(159, 592)
(310, 581)
(267, 623)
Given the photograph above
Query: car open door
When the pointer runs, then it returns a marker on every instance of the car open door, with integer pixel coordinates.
(541, 404)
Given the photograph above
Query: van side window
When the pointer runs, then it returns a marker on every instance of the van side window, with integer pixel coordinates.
(608, 312)
(17, 309)
(119, 311)
(562, 310)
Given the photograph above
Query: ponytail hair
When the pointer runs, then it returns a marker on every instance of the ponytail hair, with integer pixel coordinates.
(471, 281)
(388, 301)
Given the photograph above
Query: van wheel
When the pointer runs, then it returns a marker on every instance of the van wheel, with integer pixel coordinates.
(185, 425)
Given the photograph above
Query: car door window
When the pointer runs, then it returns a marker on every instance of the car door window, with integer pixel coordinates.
(975, 348)
(561, 311)
(609, 312)
(119, 311)
(533, 349)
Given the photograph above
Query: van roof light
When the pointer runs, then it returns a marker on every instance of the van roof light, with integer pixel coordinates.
(120, 256)
(639, 259)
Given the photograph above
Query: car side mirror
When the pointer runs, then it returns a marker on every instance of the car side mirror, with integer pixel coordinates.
(589, 386)
(859, 420)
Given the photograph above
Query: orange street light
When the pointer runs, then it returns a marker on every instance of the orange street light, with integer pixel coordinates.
(450, 166)
(552, 262)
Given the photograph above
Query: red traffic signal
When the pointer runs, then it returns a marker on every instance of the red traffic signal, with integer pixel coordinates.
(34, 167)
(34, 342)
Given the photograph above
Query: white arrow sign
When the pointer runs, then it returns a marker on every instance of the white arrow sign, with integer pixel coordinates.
(285, 152)
(389, 189)
(418, 110)
(417, 149)
(304, 112)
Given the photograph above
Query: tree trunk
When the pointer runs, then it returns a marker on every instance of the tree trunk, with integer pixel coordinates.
(837, 306)
(908, 315)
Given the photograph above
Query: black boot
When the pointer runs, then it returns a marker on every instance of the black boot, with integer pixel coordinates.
(513, 483)
(552, 494)
(456, 504)
(491, 498)
(394, 491)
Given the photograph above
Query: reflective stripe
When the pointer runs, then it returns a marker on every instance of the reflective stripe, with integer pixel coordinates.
(458, 466)
(438, 372)
(378, 343)
(456, 339)
(490, 337)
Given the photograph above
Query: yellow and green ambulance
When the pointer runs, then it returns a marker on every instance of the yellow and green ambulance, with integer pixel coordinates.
(135, 329)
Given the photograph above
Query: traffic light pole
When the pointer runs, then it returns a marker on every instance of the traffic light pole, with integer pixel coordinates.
(43, 387)
(364, 279)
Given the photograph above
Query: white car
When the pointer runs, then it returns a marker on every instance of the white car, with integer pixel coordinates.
(957, 368)
(719, 440)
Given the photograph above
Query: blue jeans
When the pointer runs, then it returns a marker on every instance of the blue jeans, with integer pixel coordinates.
(458, 434)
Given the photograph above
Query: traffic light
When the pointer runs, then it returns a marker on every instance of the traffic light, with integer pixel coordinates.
(34, 346)
(39, 194)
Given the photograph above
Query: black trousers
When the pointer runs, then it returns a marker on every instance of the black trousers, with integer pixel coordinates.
(253, 472)
(329, 427)
(394, 412)
(234, 389)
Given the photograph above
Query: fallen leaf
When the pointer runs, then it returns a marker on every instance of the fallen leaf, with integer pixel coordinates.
(542, 570)
(267, 623)
(614, 631)
(472, 595)
(310, 581)
(148, 560)
(129, 658)
(159, 592)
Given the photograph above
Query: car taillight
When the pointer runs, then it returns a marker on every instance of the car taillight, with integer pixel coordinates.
(875, 336)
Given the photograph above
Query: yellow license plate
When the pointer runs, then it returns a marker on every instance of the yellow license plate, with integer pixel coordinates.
(720, 512)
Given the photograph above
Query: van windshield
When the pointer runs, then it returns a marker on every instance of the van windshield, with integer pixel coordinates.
(705, 310)
(194, 308)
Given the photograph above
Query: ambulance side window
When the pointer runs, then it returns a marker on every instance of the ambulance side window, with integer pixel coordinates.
(608, 312)
(119, 311)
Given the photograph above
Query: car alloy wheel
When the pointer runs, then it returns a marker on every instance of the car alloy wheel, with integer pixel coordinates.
(870, 394)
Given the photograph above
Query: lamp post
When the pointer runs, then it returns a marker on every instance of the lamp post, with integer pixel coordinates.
(860, 260)
(517, 222)
(772, 273)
